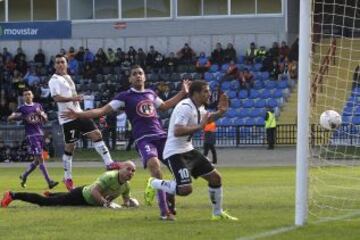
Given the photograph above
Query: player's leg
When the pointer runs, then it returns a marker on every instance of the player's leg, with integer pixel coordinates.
(37, 146)
(214, 154)
(149, 155)
(89, 129)
(23, 177)
(206, 149)
(71, 135)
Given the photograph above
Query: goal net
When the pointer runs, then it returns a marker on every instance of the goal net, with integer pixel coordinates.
(334, 175)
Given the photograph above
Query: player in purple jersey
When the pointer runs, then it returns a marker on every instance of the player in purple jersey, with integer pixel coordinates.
(141, 108)
(33, 117)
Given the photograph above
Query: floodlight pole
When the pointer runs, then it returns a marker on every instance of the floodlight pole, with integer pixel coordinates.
(302, 146)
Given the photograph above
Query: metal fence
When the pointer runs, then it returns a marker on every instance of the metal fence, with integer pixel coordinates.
(227, 136)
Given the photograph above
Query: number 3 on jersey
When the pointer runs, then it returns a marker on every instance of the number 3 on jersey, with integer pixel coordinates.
(147, 148)
(184, 173)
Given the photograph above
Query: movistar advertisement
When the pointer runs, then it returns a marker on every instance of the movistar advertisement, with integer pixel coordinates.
(35, 30)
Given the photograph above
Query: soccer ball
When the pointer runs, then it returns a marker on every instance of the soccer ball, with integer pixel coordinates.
(330, 119)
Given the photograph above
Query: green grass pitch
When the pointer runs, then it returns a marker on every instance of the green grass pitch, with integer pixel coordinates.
(262, 198)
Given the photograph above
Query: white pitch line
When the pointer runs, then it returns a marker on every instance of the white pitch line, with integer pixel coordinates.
(291, 228)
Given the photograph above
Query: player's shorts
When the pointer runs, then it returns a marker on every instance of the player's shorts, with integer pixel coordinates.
(150, 147)
(185, 165)
(73, 129)
(36, 144)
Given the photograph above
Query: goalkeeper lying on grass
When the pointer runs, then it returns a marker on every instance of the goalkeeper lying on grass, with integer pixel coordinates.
(102, 192)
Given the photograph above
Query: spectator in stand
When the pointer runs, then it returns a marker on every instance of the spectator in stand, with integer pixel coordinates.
(112, 129)
(283, 51)
(294, 51)
(261, 54)
(132, 54)
(214, 98)
(89, 73)
(274, 71)
(170, 63)
(141, 58)
(22, 65)
(62, 52)
(159, 63)
(186, 55)
(51, 65)
(124, 80)
(19, 85)
(45, 96)
(218, 55)
(202, 64)
(284, 70)
(119, 55)
(10, 65)
(246, 79)
(164, 91)
(230, 53)
(100, 60)
(267, 63)
(126, 64)
(150, 58)
(39, 58)
(31, 77)
(73, 66)
(274, 51)
(6, 54)
(19, 55)
(88, 56)
(70, 54)
(232, 72)
(251, 53)
(110, 56)
(293, 70)
(80, 56)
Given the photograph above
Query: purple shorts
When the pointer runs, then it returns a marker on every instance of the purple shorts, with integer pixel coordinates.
(151, 147)
(36, 145)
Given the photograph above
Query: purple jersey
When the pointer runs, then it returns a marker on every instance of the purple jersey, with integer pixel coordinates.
(32, 120)
(140, 108)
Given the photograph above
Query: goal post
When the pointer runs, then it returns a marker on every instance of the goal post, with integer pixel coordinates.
(303, 122)
(328, 162)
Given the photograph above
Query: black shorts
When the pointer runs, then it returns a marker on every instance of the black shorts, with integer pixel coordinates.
(73, 129)
(188, 164)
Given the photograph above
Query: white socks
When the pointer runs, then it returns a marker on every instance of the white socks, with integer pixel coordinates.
(103, 151)
(168, 186)
(216, 197)
(67, 163)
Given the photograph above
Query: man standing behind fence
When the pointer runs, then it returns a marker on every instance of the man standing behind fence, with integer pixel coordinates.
(210, 140)
(270, 126)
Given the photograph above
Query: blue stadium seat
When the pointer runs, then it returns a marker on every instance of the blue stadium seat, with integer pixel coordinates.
(248, 103)
(231, 94)
(250, 121)
(241, 59)
(355, 120)
(270, 84)
(231, 112)
(265, 75)
(266, 93)
(258, 85)
(272, 102)
(254, 94)
(234, 85)
(346, 119)
(257, 67)
(235, 103)
(213, 85)
(208, 76)
(348, 111)
(277, 93)
(282, 84)
(243, 94)
(260, 103)
(225, 86)
(224, 67)
(259, 121)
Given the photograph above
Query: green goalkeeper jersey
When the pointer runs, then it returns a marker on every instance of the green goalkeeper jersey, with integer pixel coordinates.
(110, 187)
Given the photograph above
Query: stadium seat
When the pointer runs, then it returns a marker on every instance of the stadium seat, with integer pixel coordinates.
(257, 67)
(208, 76)
(270, 84)
(272, 102)
(234, 85)
(225, 86)
(277, 93)
(348, 111)
(355, 120)
(231, 112)
(259, 121)
(266, 93)
(243, 94)
(235, 103)
(260, 103)
(213, 85)
(214, 68)
(254, 94)
(282, 84)
(258, 85)
(250, 121)
(265, 75)
(231, 94)
(224, 67)
(248, 103)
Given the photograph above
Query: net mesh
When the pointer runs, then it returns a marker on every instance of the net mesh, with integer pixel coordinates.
(334, 184)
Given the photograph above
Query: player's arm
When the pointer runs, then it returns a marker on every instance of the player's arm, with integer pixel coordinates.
(177, 98)
(181, 126)
(58, 98)
(96, 193)
(222, 107)
(93, 113)
(14, 116)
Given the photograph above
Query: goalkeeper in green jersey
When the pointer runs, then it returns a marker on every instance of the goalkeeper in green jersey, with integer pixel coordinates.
(102, 192)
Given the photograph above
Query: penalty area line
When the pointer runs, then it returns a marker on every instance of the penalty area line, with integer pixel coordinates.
(291, 228)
